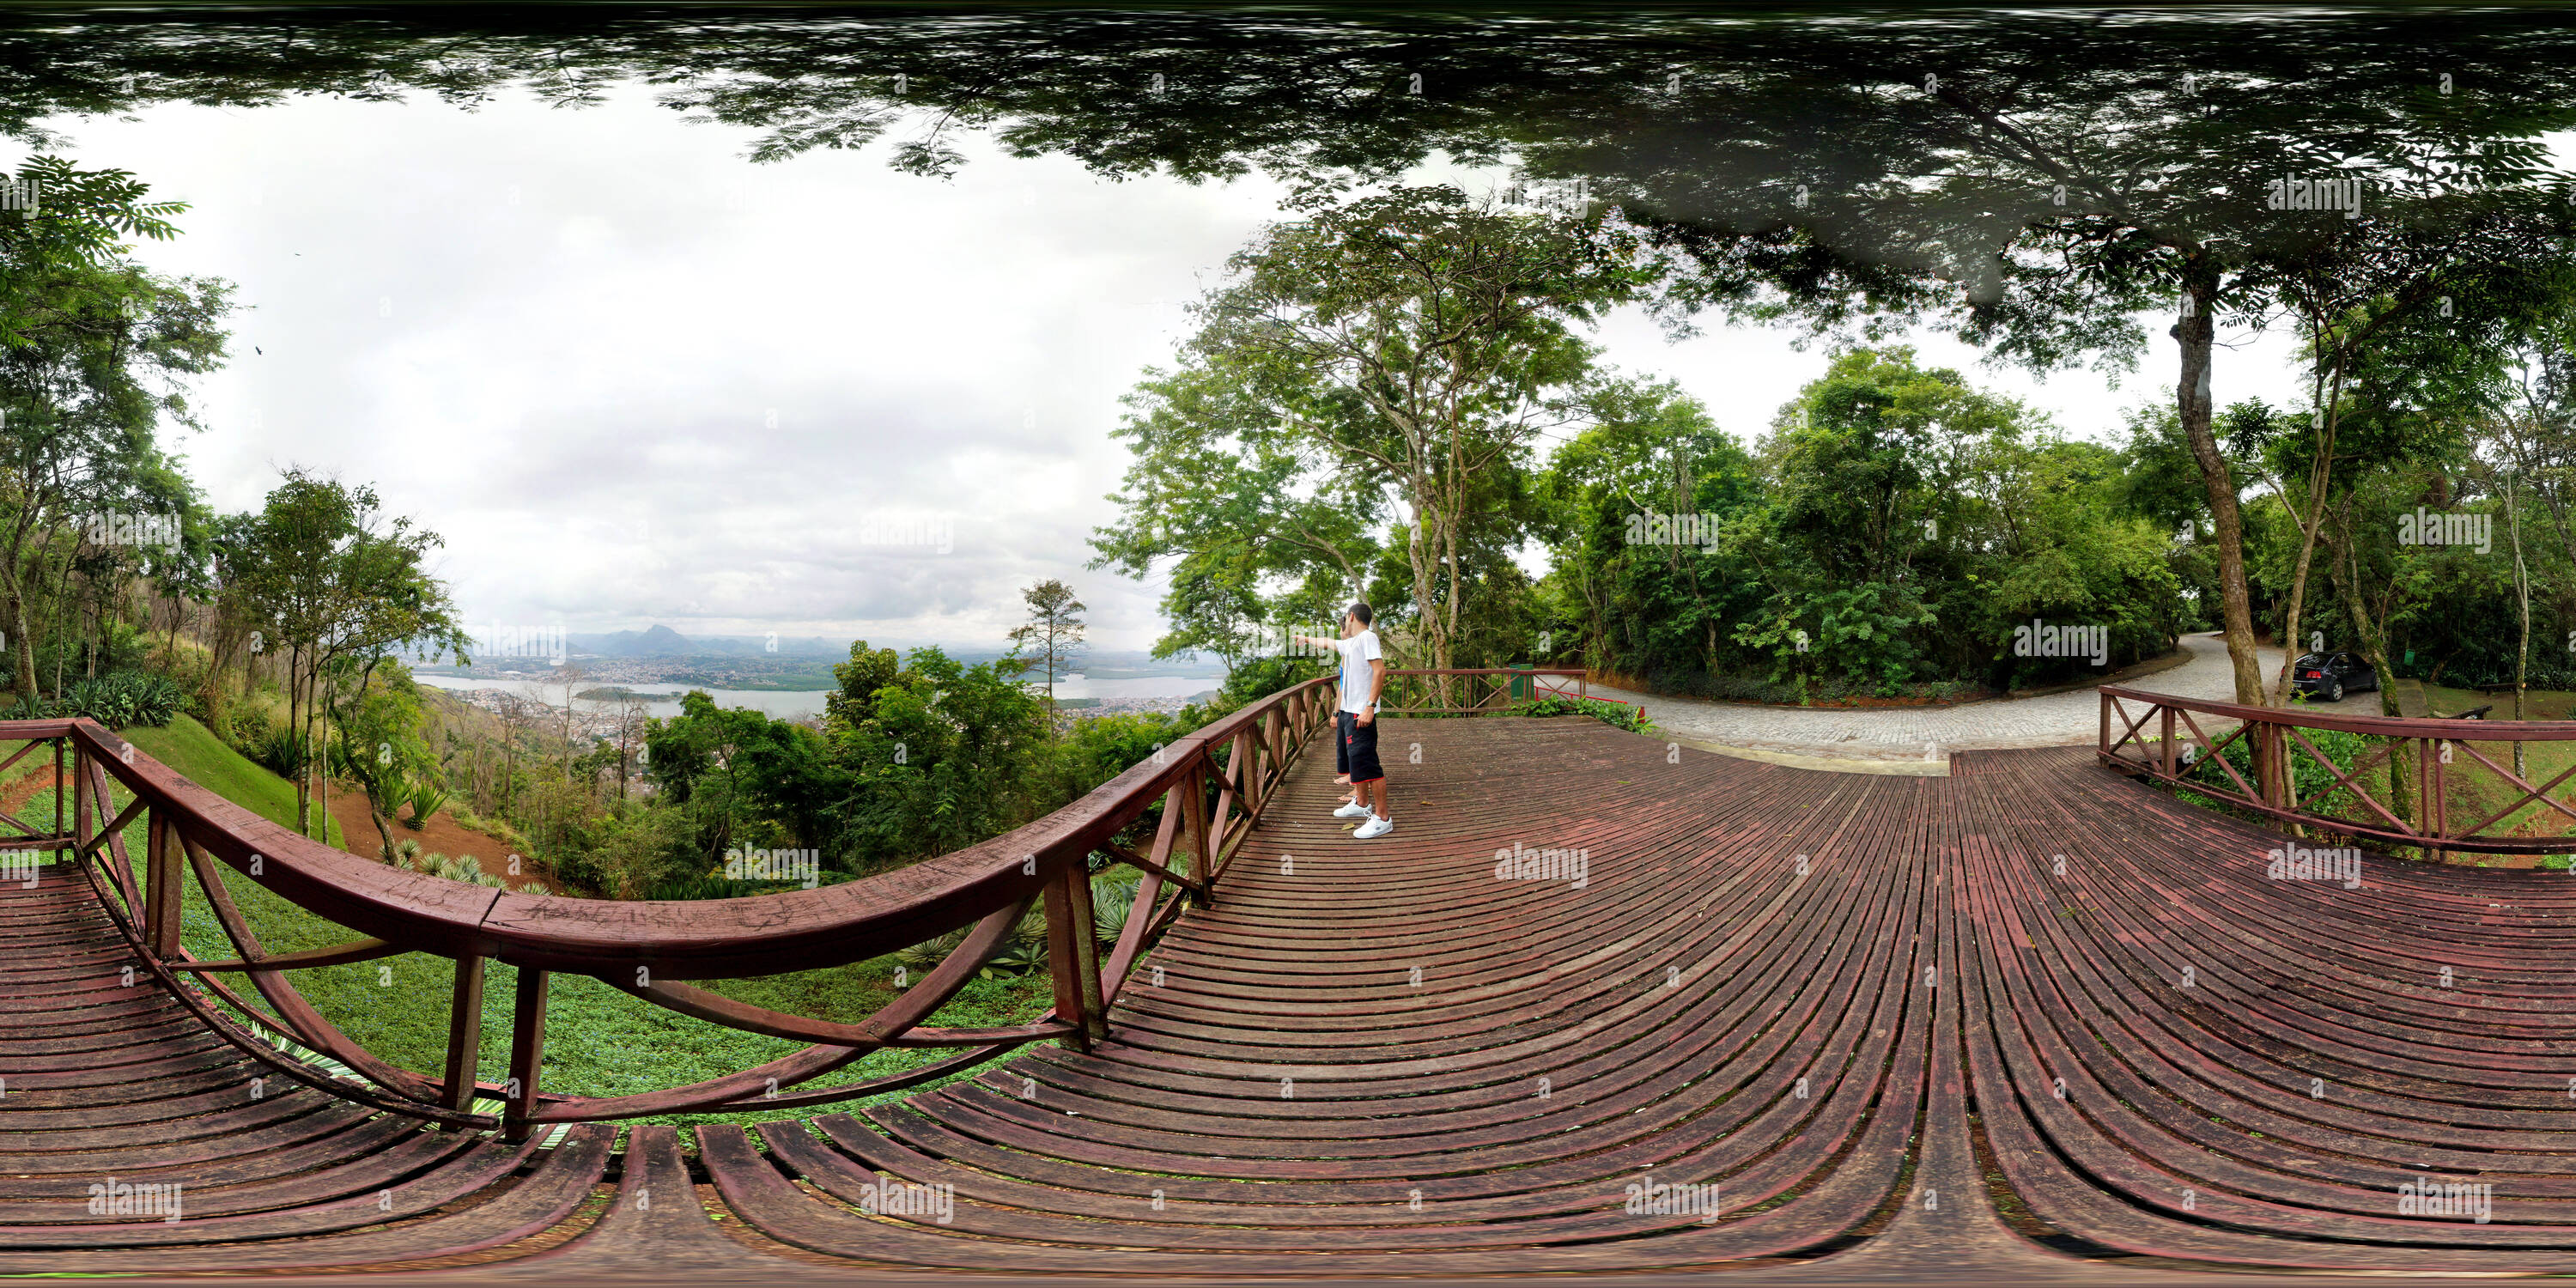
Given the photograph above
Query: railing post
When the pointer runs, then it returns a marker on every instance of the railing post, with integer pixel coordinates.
(80, 798)
(2424, 795)
(2267, 761)
(2102, 743)
(161, 908)
(464, 1034)
(1073, 955)
(1193, 839)
(2441, 815)
(2165, 738)
(1245, 773)
(527, 1051)
(2287, 772)
(59, 747)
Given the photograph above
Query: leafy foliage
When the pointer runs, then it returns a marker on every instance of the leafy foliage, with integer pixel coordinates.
(1618, 715)
(122, 699)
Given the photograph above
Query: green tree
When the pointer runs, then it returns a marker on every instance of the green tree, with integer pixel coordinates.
(1222, 494)
(939, 757)
(95, 352)
(338, 582)
(1413, 342)
(1662, 612)
(382, 743)
(1050, 642)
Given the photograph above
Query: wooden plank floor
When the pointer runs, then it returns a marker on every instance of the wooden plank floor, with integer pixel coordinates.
(2030, 1022)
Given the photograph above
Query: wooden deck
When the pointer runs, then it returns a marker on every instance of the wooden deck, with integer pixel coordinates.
(1901, 1038)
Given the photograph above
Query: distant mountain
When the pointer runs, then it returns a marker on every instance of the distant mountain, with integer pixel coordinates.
(659, 641)
(662, 641)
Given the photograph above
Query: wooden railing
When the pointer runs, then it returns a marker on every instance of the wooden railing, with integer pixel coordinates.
(1480, 690)
(1178, 817)
(2398, 791)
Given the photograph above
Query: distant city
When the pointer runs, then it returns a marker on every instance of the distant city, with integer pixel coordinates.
(783, 674)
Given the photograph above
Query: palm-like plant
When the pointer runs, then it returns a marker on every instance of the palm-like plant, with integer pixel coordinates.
(1026, 949)
(425, 797)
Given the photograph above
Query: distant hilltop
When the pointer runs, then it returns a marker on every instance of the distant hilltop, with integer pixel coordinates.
(661, 641)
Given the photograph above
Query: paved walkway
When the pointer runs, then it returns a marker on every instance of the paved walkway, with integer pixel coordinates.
(1928, 734)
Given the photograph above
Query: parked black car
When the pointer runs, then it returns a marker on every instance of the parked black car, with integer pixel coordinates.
(2327, 675)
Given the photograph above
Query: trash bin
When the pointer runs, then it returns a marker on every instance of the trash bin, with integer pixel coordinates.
(1522, 688)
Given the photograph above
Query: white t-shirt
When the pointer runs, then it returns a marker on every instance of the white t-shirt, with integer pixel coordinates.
(1357, 652)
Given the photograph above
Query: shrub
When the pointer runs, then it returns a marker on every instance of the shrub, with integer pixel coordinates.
(425, 798)
(277, 747)
(125, 698)
(2307, 776)
(1618, 715)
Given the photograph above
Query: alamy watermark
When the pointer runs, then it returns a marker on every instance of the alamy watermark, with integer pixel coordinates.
(2450, 1200)
(2335, 192)
(1267, 640)
(118, 528)
(1654, 528)
(1650, 1197)
(113, 1197)
(886, 1196)
(2434, 528)
(26, 196)
(517, 639)
(20, 866)
(908, 530)
(2039, 639)
(1571, 196)
(804, 867)
(2299, 863)
(1521, 863)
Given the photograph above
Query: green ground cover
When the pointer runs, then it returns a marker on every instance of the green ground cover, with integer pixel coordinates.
(599, 1041)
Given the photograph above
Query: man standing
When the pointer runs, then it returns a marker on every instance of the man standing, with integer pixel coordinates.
(1355, 749)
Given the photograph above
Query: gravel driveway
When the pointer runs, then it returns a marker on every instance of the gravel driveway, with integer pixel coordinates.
(1928, 734)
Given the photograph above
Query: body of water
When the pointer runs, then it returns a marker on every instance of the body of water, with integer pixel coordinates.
(796, 704)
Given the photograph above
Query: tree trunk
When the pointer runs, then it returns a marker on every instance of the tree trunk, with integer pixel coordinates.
(2522, 653)
(298, 719)
(23, 657)
(2343, 564)
(2196, 331)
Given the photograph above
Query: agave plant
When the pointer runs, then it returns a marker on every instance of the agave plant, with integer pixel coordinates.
(1111, 900)
(425, 798)
(464, 867)
(1026, 949)
(124, 698)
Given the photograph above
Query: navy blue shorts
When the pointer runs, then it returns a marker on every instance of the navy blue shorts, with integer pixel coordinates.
(1355, 752)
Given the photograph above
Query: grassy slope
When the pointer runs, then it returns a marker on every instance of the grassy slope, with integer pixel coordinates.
(194, 750)
(2475, 793)
(600, 1041)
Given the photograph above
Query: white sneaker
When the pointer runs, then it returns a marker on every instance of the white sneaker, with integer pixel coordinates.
(1352, 809)
(1374, 827)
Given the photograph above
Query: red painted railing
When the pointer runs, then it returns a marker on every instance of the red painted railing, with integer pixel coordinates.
(2399, 791)
(1412, 691)
(1178, 817)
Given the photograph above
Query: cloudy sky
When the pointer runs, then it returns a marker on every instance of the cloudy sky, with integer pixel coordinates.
(632, 377)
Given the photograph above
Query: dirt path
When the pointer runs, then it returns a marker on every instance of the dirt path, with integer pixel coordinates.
(442, 835)
(15, 796)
